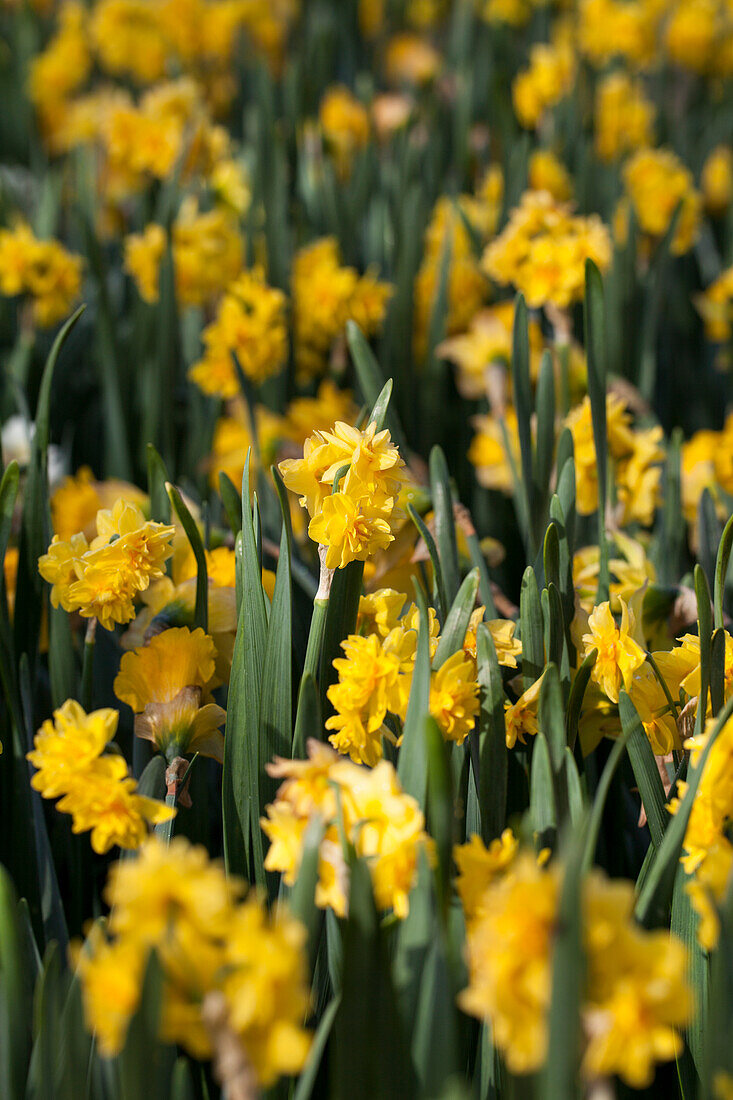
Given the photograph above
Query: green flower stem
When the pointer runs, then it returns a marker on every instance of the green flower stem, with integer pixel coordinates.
(318, 620)
(87, 668)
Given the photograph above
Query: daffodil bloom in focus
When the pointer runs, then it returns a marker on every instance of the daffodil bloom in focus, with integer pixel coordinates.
(351, 532)
(101, 579)
(619, 656)
(166, 683)
(454, 697)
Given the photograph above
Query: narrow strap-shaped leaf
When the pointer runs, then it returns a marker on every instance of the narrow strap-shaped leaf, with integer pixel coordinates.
(201, 612)
(717, 669)
(181, 1082)
(30, 801)
(532, 629)
(709, 533)
(381, 406)
(595, 349)
(367, 1021)
(242, 835)
(542, 799)
(577, 808)
(412, 764)
(435, 1035)
(577, 693)
(308, 719)
(49, 999)
(560, 1078)
(160, 505)
(564, 566)
(718, 1050)
(552, 716)
(491, 760)
(439, 806)
(341, 615)
(302, 900)
(146, 1064)
(551, 554)
(704, 630)
(554, 626)
(684, 924)
(645, 768)
(16, 1003)
(439, 596)
(545, 403)
(307, 1079)
(721, 569)
(456, 624)
(445, 527)
(566, 492)
(276, 719)
(652, 907)
(232, 502)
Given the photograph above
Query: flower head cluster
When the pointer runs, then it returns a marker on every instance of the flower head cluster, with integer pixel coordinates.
(345, 126)
(43, 270)
(325, 296)
(93, 785)
(657, 183)
(544, 83)
(543, 250)
(59, 70)
(100, 579)
(207, 254)
(636, 453)
(375, 676)
(175, 901)
(366, 471)
(618, 654)
(635, 997)
(609, 29)
(251, 324)
(696, 34)
(166, 682)
(385, 826)
(624, 117)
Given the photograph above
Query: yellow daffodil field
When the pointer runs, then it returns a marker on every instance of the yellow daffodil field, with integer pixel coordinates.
(366, 626)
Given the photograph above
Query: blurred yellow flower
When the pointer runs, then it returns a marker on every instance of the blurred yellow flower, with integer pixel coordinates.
(43, 270)
(250, 323)
(657, 183)
(543, 249)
